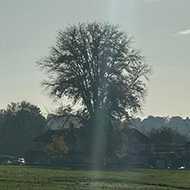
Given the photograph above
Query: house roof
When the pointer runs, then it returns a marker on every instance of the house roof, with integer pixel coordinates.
(141, 137)
(46, 137)
(61, 122)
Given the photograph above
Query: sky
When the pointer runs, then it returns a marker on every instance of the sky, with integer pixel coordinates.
(160, 29)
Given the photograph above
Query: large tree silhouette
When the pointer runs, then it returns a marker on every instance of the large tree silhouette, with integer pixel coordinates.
(94, 66)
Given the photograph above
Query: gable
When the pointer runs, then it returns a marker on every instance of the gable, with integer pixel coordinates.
(140, 137)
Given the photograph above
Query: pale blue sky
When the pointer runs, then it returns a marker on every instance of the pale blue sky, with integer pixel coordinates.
(161, 30)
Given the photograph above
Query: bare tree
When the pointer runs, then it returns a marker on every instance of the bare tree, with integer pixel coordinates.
(95, 66)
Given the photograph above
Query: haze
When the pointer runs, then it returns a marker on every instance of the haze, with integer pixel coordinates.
(160, 28)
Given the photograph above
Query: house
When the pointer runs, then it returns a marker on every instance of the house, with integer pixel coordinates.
(69, 125)
(76, 155)
(140, 150)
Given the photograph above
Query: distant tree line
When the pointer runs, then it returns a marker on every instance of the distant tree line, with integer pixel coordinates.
(22, 121)
(176, 123)
(168, 134)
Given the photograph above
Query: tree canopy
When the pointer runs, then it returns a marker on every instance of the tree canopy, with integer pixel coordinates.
(167, 135)
(19, 123)
(95, 66)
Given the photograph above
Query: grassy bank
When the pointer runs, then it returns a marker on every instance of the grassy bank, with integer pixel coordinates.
(36, 178)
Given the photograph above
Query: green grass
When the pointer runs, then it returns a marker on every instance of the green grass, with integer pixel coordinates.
(36, 178)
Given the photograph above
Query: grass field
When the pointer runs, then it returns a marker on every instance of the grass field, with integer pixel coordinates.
(36, 178)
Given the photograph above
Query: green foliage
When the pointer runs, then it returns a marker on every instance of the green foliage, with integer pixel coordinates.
(24, 119)
(167, 135)
(19, 123)
(57, 148)
(167, 140)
